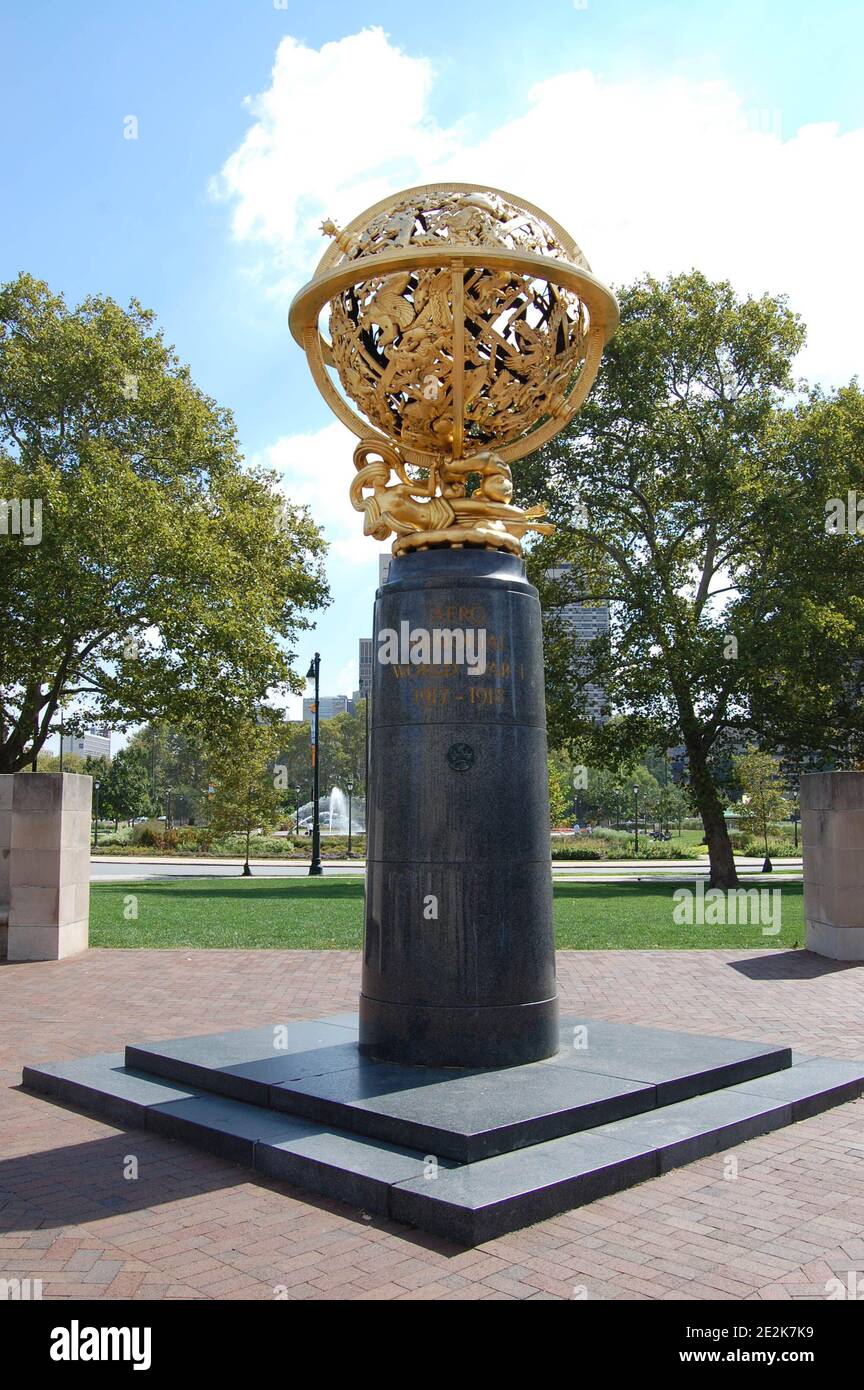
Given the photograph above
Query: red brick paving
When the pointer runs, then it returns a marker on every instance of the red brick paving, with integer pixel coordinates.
(192, 1226)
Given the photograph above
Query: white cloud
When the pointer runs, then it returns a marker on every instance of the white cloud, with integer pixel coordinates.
(315, 469)
(325, 142)
(652, 175)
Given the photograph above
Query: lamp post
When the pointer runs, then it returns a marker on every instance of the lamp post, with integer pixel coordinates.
(297, 811)
(96, 785)
(795, 819)
(636, 818)
(349, 787)
(313, 674)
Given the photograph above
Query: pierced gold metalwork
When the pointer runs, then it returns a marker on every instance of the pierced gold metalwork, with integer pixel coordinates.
(467, 327)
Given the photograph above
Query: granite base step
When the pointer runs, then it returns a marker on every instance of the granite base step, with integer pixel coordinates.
(467, 1202)
(602, 1073)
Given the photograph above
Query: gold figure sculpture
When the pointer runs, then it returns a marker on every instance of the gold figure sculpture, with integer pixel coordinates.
(466, 326)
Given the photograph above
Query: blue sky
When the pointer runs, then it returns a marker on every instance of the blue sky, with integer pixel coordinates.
(726, 135)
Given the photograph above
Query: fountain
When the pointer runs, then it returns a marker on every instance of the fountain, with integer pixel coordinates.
(338, 809)
(333, 813)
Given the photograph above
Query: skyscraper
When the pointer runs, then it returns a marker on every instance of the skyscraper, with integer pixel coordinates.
(365, 666)
(586, 621)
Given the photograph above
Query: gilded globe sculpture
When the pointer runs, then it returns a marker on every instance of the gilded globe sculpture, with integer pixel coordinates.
(465, 330)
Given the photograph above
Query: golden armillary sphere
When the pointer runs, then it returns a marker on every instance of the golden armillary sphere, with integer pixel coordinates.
(467, 328)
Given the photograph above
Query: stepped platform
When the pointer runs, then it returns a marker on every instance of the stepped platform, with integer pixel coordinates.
(467, 1154)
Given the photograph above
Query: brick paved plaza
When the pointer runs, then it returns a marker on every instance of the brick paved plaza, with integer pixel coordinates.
(194, 1227)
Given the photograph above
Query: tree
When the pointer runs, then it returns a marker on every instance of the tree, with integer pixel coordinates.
(342, 751)
(294, 764)
(348, 735)
(560, 801)
(690, 492)
(170, 581)
(125, 791)
(72, 762)
(763, 801)
(176, 764)
(240, 760)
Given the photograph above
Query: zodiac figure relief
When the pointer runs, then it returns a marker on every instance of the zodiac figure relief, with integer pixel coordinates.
(435, 510)
(477, 219)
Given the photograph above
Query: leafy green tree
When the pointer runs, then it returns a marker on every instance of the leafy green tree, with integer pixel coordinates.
(50, 762)
(560, 800)
(342, 750)
(690, 492)
(673, 804)
(348, 732)
(176, 762)
(763, 801)
(125, 790)
(293, 766)
(240, 761)
(170, 581)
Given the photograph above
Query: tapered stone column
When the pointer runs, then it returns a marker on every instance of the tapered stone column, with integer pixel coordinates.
(832, 832)
(49, 865)
(458, 956)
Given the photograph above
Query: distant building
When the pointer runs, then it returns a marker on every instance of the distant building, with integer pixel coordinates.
(586, 621)
(384, 563)
(91, 745)
(365, 667)
(328, 706)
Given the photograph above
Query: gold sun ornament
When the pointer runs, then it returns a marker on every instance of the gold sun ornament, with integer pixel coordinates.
(465, 329)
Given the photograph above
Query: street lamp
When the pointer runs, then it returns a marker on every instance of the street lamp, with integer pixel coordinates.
(96, 785)
(795, 820)
(315, 864)
(636, 818)
(297, 814)
(349, 787)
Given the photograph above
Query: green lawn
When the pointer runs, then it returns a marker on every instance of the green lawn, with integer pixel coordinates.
(327, 914)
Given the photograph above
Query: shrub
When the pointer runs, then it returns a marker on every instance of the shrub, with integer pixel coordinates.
(577, 852)
(777, 849)
(661, 849)
(148, 833)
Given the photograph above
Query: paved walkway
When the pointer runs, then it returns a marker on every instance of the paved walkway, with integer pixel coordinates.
(192, 1226)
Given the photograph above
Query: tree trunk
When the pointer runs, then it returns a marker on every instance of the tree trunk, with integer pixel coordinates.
(723, 873)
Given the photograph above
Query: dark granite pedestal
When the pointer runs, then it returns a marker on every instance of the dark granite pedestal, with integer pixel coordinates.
(468, 1154)
(458, 954)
